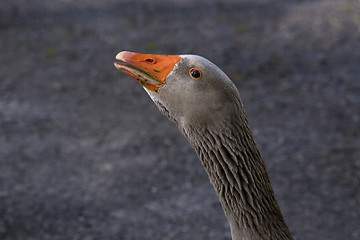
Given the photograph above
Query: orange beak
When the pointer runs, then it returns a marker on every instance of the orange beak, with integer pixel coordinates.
(148, 69)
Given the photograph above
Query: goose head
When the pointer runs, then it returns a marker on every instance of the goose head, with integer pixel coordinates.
(189, 89)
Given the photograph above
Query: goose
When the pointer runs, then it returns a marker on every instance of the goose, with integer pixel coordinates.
(205, 104)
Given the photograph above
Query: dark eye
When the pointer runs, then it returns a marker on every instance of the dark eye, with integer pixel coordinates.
(195, 73)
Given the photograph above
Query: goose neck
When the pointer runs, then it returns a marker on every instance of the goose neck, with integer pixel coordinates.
(240, 179)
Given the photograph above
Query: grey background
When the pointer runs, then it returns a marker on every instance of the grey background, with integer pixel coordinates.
(85, 154)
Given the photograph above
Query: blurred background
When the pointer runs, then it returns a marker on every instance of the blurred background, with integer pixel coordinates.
(85, 154)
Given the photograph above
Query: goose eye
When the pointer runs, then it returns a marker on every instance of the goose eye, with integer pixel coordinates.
(195, 73)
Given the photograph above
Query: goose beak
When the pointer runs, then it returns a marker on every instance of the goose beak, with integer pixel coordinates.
(148, 69)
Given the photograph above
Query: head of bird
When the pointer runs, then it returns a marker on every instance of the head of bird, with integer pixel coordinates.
(189, 89)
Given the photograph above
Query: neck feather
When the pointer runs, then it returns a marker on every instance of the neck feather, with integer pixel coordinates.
(239, 176)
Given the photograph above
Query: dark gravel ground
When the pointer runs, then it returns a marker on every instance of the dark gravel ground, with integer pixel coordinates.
(85, 154)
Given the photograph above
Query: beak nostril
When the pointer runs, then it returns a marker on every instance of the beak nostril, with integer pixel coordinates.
(150, 60)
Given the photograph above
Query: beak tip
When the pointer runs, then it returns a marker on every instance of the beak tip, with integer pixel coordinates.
(121, 55)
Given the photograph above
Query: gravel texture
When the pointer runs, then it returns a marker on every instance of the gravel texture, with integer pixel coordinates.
(85, 154)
